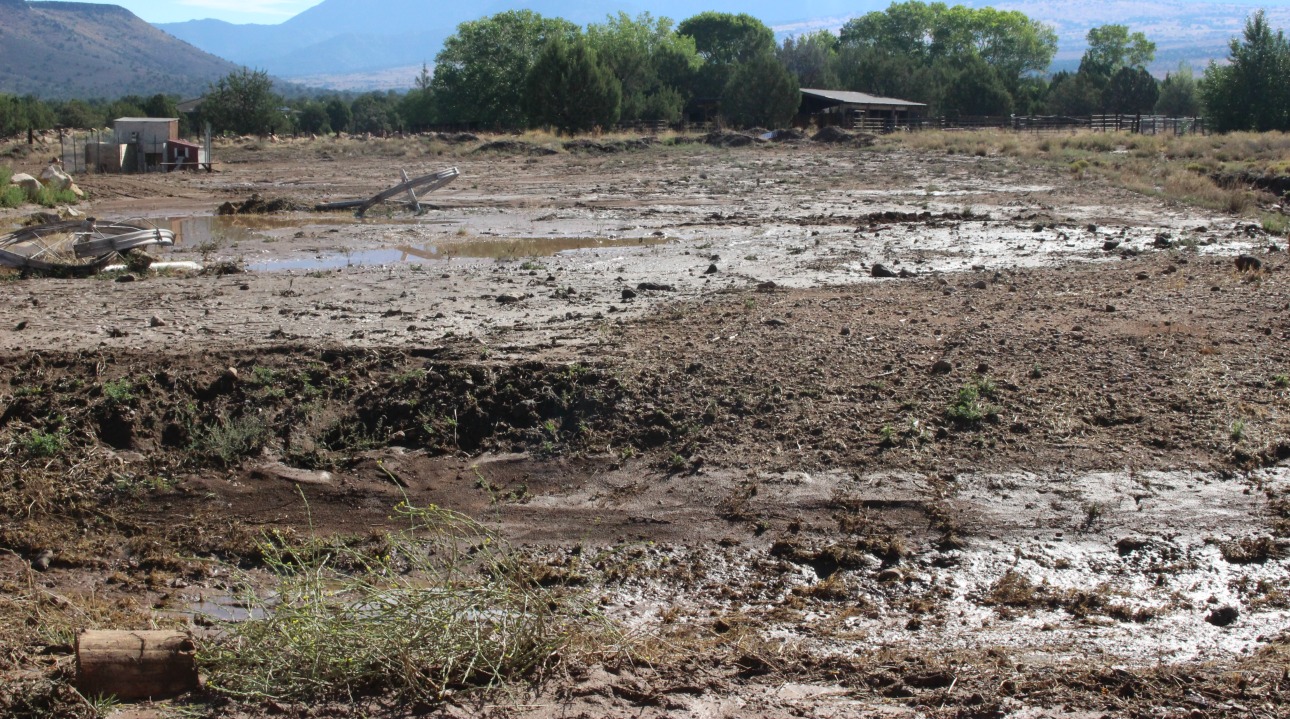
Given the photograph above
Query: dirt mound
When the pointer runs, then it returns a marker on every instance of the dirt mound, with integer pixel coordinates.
(728, 139)
(607, 148)
(256, 205)
(1278, 185)
(456, 138)
(836, 135)
(514, 147)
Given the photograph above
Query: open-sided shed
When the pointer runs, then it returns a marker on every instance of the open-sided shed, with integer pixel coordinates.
(843, 107)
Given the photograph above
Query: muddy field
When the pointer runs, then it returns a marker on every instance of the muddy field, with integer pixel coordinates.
(1040, 472)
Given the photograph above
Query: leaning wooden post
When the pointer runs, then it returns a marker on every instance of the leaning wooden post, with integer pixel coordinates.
(412, 195)
(135, 665)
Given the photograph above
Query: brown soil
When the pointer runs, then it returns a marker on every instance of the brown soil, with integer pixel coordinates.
(1033, 479)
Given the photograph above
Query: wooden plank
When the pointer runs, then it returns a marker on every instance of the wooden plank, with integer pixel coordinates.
(412, 194)
(135, 665)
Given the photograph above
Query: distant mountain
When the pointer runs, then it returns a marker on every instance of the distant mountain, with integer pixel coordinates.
(342, 43)
(338, 37)
(61, 50)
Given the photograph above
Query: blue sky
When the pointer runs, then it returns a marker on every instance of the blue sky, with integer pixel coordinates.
(268, 12)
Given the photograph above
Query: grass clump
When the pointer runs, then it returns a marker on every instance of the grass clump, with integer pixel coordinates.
(227, 441)
(440, 607)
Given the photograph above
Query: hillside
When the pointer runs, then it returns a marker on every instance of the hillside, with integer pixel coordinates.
(59, 50)
(340, 38)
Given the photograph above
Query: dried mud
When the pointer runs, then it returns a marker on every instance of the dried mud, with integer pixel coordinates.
(1042, 476)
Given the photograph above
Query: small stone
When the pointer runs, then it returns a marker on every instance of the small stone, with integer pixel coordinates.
(507, 299)
(775, 322)
(881, 271)
(127, 277)
(982, 368)
(846, 332)
(890, 575)
(712, 270)
(942, 367)
(1110, 245)
(157, 321)
(1110, 308)
(628, 294)
(116, 332)
(230, 374)
(1223, 616)
(20, 326)
(655, 287)
(1248, 263)
(980, 285)
(42, 560)
(1143, 276)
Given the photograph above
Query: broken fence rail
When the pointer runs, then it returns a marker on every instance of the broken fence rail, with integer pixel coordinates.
(426, 183)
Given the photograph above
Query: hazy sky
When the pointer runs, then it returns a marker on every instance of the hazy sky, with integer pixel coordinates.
(269, 12)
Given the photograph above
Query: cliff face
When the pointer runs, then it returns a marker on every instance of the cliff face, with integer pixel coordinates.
(65, 50)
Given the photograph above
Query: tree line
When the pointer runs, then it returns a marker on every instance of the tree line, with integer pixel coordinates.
(518, 70)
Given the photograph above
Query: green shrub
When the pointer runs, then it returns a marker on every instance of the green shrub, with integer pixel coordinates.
(49, 197)
(12, 196)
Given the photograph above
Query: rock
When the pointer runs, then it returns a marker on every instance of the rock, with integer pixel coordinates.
(20, 326)
(942, 367)
(766, 286)
(712, 270)
(80, 194)
(157, 321)
(41, 561)
(881, 271)
(890, 575)
(906, 274)
(1129, 545)
(1248, 263)
(1163, 242)
(127, 277)
(980, 285)
(1110, 245)
(1143, 276)
(28, 183)
(53, 176)
(775, 322)
(655, 287)
(628, 293)
(117, 332)
(1223, 616)
(507, 299)
(845, 332)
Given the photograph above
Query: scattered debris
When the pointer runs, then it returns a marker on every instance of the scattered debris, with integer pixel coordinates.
(76, 247)
(256, 205)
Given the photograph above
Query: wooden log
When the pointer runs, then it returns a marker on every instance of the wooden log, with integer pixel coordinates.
(135, 665)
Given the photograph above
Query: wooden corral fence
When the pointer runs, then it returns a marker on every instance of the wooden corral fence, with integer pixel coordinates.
(1138, 124)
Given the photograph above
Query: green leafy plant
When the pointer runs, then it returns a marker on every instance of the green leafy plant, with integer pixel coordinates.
(44, 444)
(119, 391)
(970, 407)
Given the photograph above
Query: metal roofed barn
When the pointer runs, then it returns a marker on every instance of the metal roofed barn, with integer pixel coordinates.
(858, 110)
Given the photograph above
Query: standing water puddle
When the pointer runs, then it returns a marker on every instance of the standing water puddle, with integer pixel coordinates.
(216, 230)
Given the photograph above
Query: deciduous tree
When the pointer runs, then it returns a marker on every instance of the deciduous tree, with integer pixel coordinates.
(480, 73)
(1251, 92)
